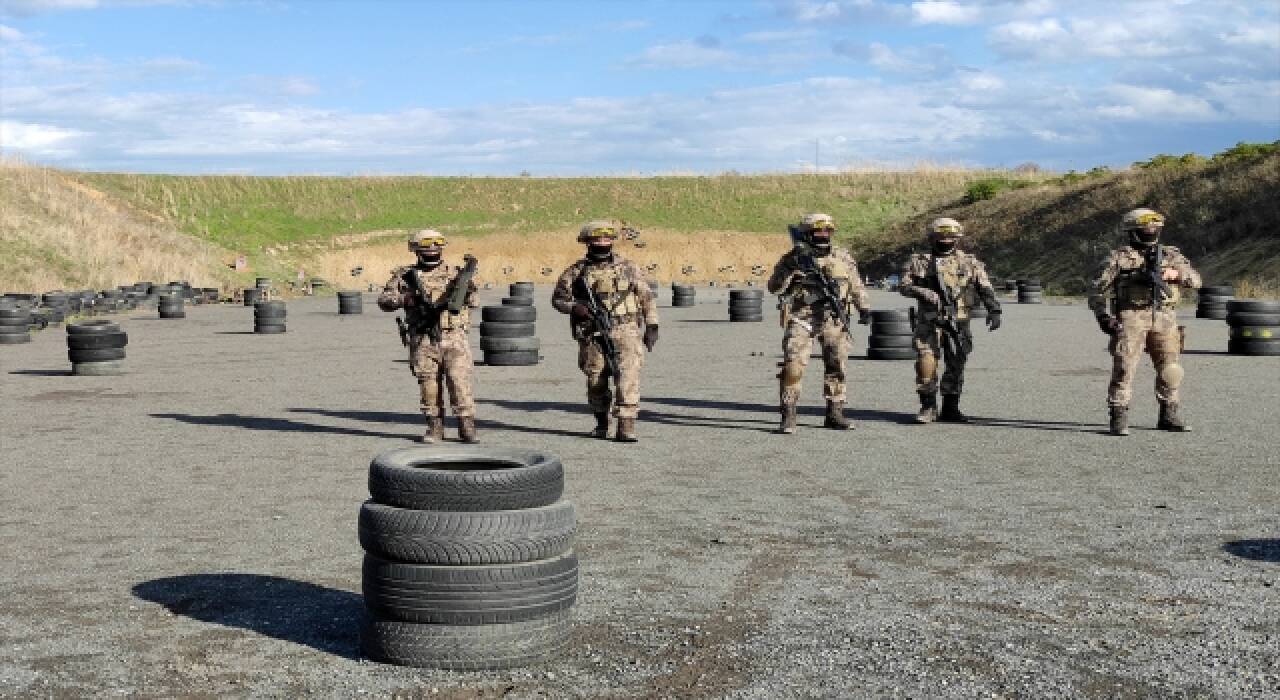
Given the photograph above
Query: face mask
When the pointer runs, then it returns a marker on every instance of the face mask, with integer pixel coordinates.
(944, 247)
(1145, 236)
(821, 244)
(600, 252)
(430, 259)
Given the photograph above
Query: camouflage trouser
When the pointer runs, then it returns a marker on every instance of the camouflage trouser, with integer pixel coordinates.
(448, 363)
(929, 346)
(1162, 340)
(796, 345)
(591, 361)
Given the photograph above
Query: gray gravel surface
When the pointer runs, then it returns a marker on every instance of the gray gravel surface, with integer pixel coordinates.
(189, 528)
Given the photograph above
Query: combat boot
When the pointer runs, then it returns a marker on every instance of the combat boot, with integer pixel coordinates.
(928, 408)
(788, 425)
(835, 417)
(434, 431)
(1170, 420)
(627, 430)
(467, 429)
(951, 410)
(601, 430)
(1119, 420)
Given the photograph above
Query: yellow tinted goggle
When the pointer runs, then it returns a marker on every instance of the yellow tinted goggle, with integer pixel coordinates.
(1153, 218)
(947, 228)
(429, 241)
(602, 233)
(829, 228)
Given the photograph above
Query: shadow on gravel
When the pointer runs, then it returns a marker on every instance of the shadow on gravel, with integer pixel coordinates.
(1257, 550)
(416, 420)
(325, 619)
(43, 372)
(1205, 352)
(772, 410)
(284, 425)
(235, 332)
(1068, 426)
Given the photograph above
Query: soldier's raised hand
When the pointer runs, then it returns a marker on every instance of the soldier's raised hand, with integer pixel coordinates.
(993, 320)
(580, 312)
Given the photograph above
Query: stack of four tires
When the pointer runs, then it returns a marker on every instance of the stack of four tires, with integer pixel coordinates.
(469, 561)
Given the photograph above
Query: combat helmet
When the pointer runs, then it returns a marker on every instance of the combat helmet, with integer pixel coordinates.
(1143, 225)
(596, 229)
(426, 237)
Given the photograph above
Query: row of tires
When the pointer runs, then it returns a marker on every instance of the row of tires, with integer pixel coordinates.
(469, 560)
(508, 330)
(1212, 302)
(1253, 327)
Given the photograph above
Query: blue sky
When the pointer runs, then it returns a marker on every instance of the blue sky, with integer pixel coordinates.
(642, 87)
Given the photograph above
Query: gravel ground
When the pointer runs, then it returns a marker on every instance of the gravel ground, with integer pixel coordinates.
(190, 528)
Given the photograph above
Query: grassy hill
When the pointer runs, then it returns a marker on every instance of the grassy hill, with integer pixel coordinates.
(1222, 212)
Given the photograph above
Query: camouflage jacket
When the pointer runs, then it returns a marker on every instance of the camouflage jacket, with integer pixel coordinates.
(964, 275)
(800, 294)
(1122, 285)
(434, 287)
(620, 285)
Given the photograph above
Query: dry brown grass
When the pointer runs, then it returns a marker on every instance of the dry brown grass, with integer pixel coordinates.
(722, 256)
(59, 234)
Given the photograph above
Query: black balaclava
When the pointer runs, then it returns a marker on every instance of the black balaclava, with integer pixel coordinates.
(600, 252)
(820, 241)
(1145, 236)
(944, 246)
(429, 257)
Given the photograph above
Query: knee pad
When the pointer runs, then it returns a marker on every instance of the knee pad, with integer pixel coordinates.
(927, 365)
(1171, 375)
(791, 374)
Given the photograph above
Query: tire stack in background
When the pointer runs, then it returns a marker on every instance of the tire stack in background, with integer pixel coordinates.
(96, 348)
(1254, 327)
(469, 560)
(1213, 301)
(891, 336)
(520, 289)
(508, 331)
(15, 321)
(682, 294)
(1030, 291)
(746, 305)
(170, 305)
(268, 317)
(350, 303)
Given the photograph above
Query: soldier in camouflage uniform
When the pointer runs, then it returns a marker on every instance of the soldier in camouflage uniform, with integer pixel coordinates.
(439, 354)
(621, 288)
(806, 316)
(966, 282)
(1142, 312)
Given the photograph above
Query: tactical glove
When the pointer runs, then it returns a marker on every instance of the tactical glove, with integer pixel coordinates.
(929, 297)
(650, 337)
(1109, 325)
(407, 301)
(864, 316)
(580, 312)
(993, 320)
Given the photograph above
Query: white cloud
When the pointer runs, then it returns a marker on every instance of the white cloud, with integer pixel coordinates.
(944, 12)
(778, 36)
(1138, 102)
(9, 34)
(1248, 100)
(286, 86)
(39, 140)
(682, 54)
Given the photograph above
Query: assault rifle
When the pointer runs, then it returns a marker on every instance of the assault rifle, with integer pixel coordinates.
(602, 324)
(827, 290)
(1153, 269)
(952, 335)
(429, 314)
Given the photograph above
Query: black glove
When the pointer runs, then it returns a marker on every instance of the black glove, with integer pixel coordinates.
(864, 316)
(580, 312)
(650, 337)
(993, 320)
(407, 301)
(1109, 325)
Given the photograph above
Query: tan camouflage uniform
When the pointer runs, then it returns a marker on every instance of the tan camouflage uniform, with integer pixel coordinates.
(1121, 284)
(436, 365)
(967, 281)
(623, 288)
(807, 318)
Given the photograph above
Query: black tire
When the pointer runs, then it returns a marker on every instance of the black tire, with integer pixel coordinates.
(682, 289)
(91, 327)
(1255, 333)
(520, 289)
(453, 478)
(1217, 290)
(466, 539)
(746, 294)
(517, 301)
(896, 328)
(746, 309)
(746, 318)
(466, 647)
(891, 354)
(15, 338)
(269, 330)
(96, 354)
(522, 314)
(484, 594)
(890, 341)
(1258, 306)
(510, 359)
(97, 340)
(517, 344)
(1241, 346)
(17, 321)
(166, 313)
(502, 329)
(890, 316)
(1252, 318)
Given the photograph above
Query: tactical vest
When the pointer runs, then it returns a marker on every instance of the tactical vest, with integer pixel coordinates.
(806, 290)
(1133, 288)
(434, 288)
(612, 288)
(957, 275)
